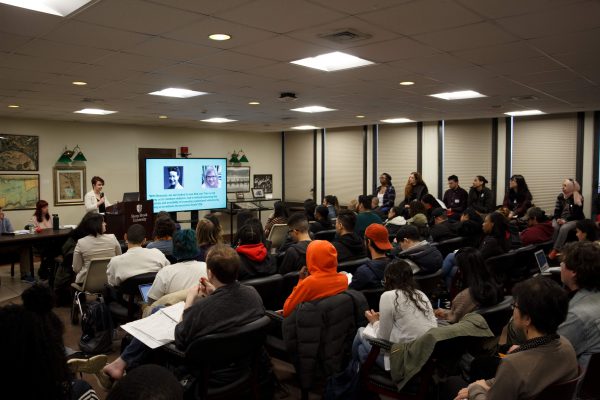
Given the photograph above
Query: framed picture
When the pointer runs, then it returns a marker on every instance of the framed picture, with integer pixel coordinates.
(238, 179)
(19, 192)
(264, 182)
(69, 185)
(19, 152)
(258, 193)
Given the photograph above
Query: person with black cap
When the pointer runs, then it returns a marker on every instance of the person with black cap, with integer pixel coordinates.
(443, 228)
(370, 274)
(481, 197)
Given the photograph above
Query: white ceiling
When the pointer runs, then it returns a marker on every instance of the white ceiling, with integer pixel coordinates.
(125, 49)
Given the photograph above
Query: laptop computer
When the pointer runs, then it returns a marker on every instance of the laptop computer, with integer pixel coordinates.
(543, 265)
(131, 196)
(144, 289)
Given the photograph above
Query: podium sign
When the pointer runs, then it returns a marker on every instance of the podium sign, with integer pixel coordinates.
(119, 217)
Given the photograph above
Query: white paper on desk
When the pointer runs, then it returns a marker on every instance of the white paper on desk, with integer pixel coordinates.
(21, 232)
(157, 329)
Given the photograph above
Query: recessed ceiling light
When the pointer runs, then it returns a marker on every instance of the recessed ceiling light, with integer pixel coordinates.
(55, 7)
(396, 120)
(333, 62)
(304, 127)
(254, 103)
(312, 109)
(176, 92)
(360, 116)
(407, 83)
(219, 36)
(218, 120)
(79, 83)
(94, 111)
(162, 117)
(460, 95)
(13, 106)
(524, 112)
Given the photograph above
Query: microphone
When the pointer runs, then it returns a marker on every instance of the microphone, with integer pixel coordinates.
(101, 194)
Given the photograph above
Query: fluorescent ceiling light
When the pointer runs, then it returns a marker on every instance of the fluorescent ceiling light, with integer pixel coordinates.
(312, 109)
(304, 127)
(407, 83)
(524, 112)
(179, 93)
(219, 36)
(94, 111)
(460, 95)
(218, 120)
(55, 7)
(396, 120)
(332, 61)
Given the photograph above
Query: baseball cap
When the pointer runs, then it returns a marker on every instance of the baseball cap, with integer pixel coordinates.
(438, 212)
(379, 235)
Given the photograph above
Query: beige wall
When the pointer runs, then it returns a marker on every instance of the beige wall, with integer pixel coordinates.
(112, 152)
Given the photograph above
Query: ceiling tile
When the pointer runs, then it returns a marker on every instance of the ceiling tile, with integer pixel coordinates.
(498, 54)
(134, 62)
(506, 8)
(527, 66)
(466, 37)
(281, 48)
(84, 34)
(171, 49)
(202, 7)
(353, 7)
(398, 49)
(64, 52)
(588, 40)
(21, 21)
(231, 61)
(10, 42)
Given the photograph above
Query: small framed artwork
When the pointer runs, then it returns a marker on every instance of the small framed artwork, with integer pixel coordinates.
(265, 182)
(238, 179)
(258, 193)
(19, 192)
(19, 152)
(69, 185)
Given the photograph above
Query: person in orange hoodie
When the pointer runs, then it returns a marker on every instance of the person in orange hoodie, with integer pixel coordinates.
(319, 278)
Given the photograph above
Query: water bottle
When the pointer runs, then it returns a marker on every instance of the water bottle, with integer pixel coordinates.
(55, 222)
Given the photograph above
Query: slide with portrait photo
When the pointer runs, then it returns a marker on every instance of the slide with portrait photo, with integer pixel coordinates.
(184, 184)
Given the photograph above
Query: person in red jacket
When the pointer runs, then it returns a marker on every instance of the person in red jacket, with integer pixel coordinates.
(319, 278)
(539, 227)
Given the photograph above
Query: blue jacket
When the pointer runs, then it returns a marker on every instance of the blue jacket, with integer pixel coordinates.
(369, 275)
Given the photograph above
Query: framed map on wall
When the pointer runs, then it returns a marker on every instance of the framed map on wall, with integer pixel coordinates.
(69, 185)
(19, 152)
(19, 192)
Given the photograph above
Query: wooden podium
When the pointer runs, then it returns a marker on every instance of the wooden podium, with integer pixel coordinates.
(119, 217)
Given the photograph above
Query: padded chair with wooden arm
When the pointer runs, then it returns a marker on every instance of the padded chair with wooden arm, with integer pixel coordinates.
(449, 245)
(226, 365)
(269, 289)
(277, 235)
(352, 265)
(94, 283)
(429, 283)
(128, 310)
(328, 235)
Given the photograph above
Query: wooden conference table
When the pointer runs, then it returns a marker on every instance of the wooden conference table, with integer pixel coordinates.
(23, 244)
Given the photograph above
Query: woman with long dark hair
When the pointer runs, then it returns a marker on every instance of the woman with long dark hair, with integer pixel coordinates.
(332, 204)
(518, 198)
(415, 189)
(385, 193)
(496, 239)
(480, 288)
(405, 312)
(41, 218)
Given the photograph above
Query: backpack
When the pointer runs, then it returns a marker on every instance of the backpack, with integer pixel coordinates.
(96, 328)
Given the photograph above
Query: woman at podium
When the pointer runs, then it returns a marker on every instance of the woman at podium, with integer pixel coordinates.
(95, 200)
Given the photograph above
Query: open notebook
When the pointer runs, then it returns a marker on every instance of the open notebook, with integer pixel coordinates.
(157, 329)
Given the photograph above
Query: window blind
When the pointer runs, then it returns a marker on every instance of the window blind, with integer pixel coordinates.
(298, 165)
(344, 163)
(397, 154)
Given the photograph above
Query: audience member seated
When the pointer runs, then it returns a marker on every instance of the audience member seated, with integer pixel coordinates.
(455, 198)
(496, 239)
(480, 197)
(349, 245)
(385, 193)
(427, 258)
(470, 227)
(212, 217)
(353, 205)
(586, 229)
(365, 216)
(31, 341)
(415, 189)
(322, 221)
(580, 273)
(375, 205)
(215, 304)
(47, 251)
(12, 254)
(539, 227)
(394, 220)
(567, 211)
(417, 212)
(443, 228)
(405, 312)
(183, 274)
(5, 225)
(479, 288)
(295, 255)
(319, 278)
(207, 235)
(255, 259)
(331, 202)
(147, 382)
(309, 209)
(431, 204)
(370, 274)
(518, 198)
(137, 260)
(540, 306)
(279, 216)
(164, 214)
(164, 228)
(96, 244)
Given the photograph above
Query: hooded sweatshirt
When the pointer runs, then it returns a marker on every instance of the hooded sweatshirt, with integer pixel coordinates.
(323, 281)
(255, 261)
(538, 233)
(294, 257)
(349, 247)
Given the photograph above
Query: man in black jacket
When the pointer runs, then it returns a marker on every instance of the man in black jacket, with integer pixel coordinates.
(348, 244)
(455, 198)
(481, 198)
(443, 229)
(427, 258)
(294, 257)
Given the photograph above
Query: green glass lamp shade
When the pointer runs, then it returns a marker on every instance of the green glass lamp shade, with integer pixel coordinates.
(244, 158)
(64, 159)
(80, 157)
(234, 158)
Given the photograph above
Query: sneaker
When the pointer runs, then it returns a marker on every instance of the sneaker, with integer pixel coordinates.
(28, 279)
(91, 365)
